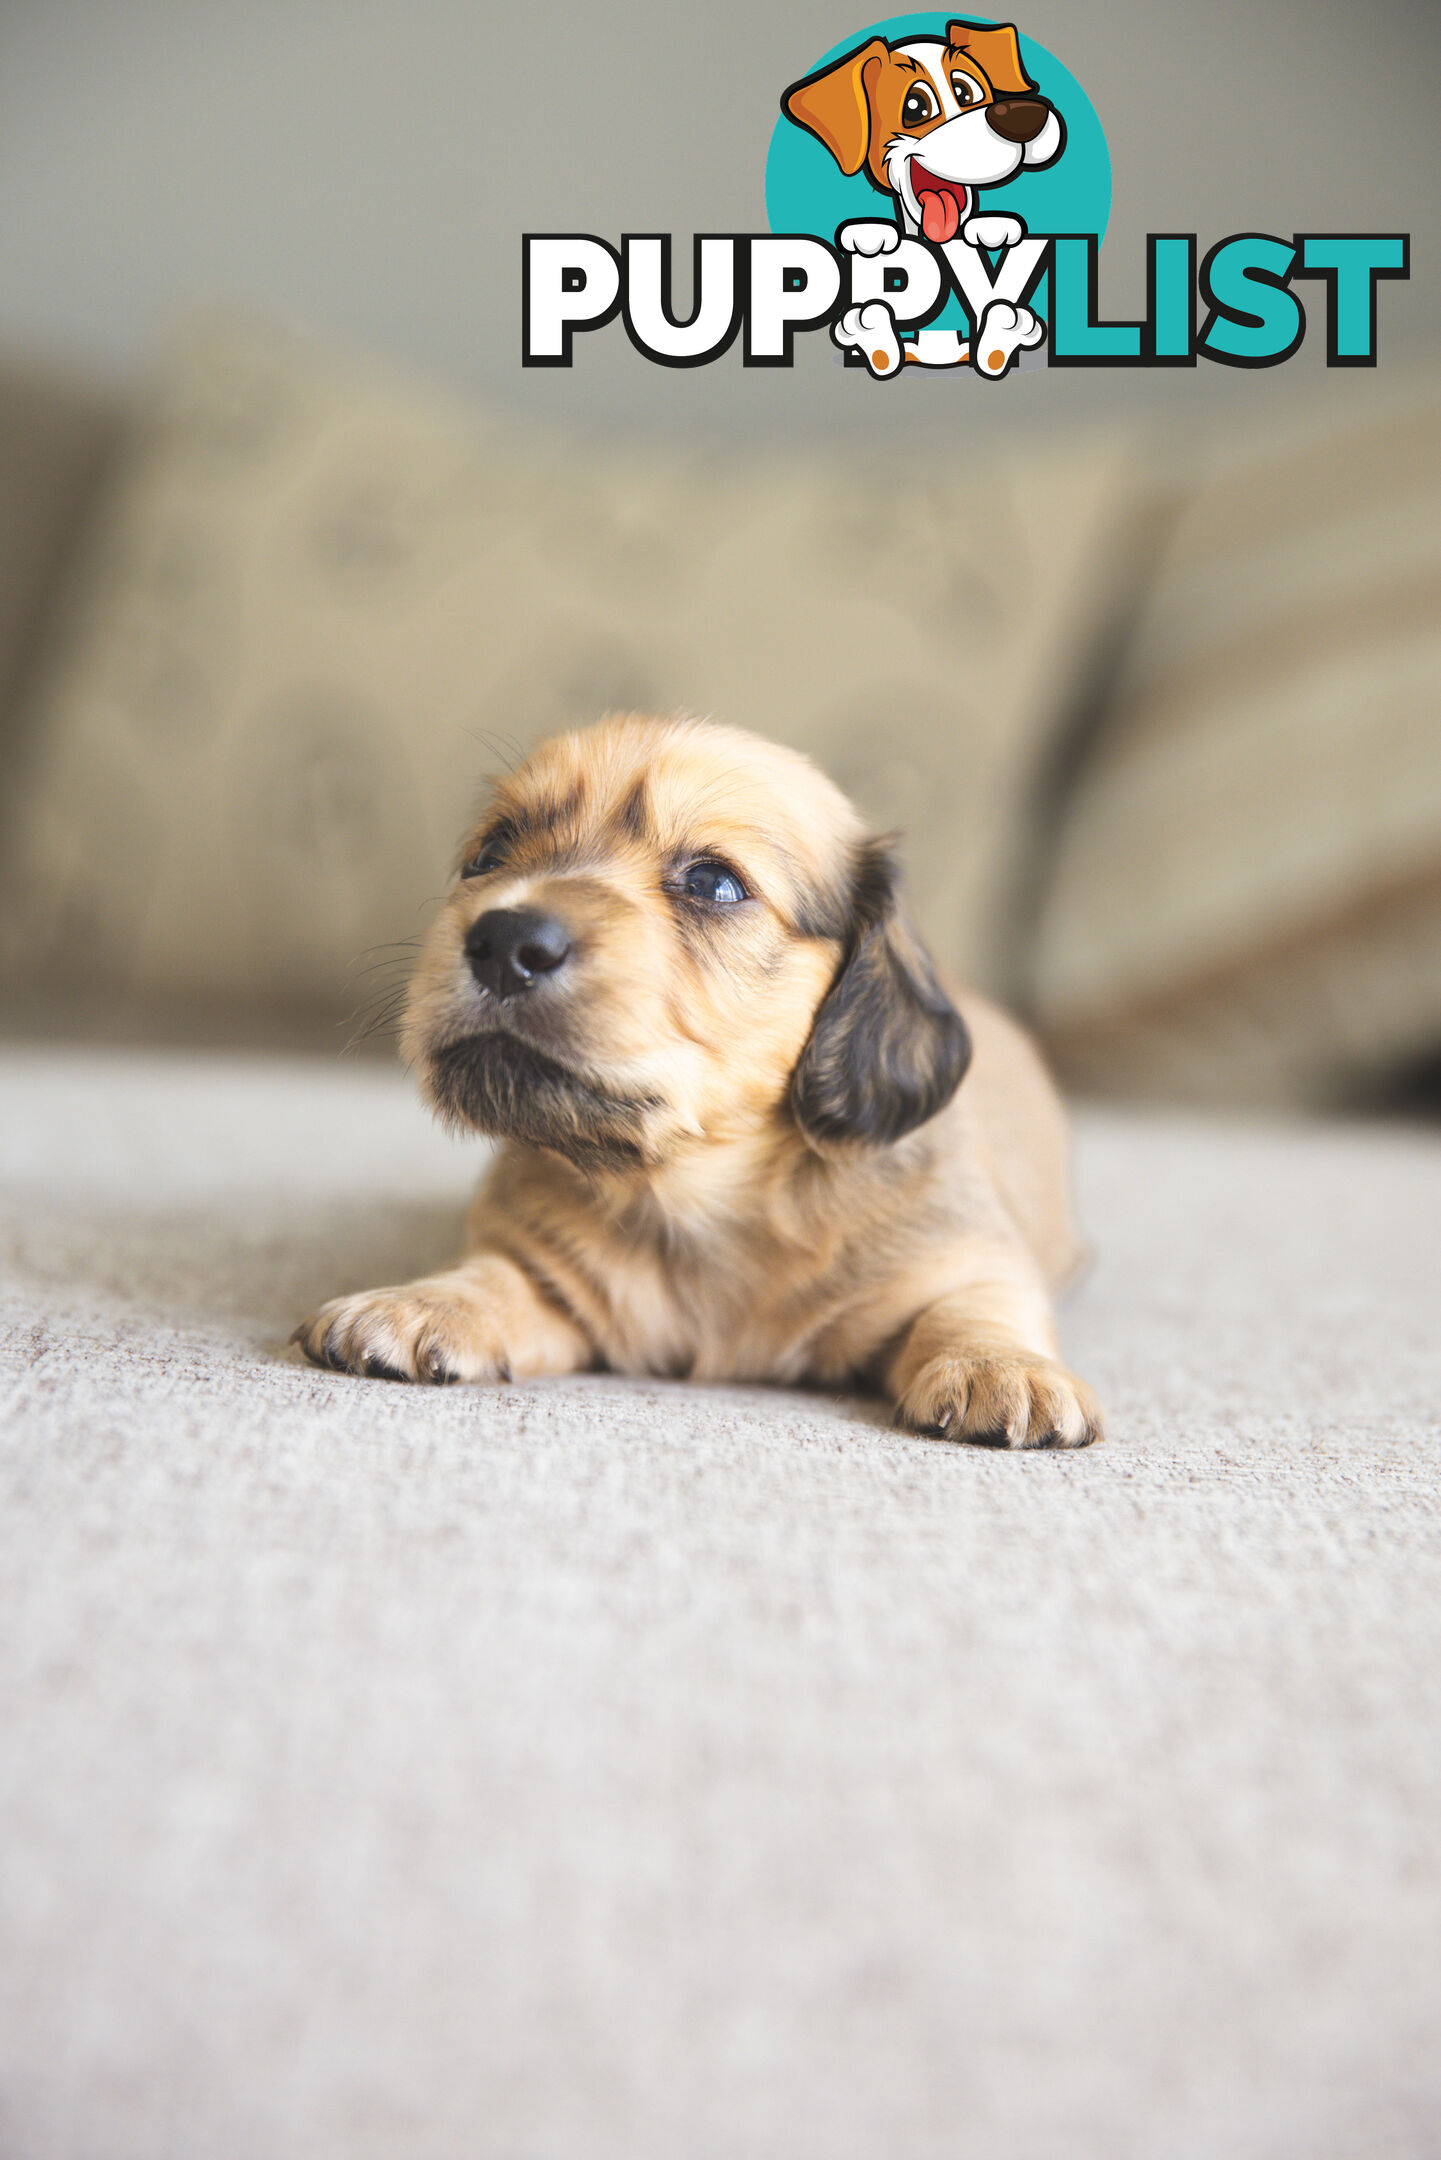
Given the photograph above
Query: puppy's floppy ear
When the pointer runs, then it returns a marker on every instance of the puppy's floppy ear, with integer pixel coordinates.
(835, 105)
(888, 1048)
(996, 51)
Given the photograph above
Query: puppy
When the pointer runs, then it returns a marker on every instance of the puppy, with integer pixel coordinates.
(930, 121)
(675, 981)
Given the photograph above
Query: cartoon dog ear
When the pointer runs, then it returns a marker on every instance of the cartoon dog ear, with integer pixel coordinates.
(997, 53)
(835, 104)
(888, 1048)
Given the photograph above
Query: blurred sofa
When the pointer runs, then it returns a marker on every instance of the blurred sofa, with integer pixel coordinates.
(1162, 734)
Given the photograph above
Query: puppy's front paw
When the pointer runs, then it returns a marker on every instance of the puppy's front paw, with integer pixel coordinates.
(1004, 331)
(998, 230)
(1003, 1398)
(433, 1330)
(869, 236)
(871, 331)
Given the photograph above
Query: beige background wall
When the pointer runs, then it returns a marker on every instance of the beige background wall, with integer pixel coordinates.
(365, 168)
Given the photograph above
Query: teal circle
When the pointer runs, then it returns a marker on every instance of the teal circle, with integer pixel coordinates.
(806, 191)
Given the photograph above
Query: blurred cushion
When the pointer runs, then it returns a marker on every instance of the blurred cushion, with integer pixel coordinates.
(321, 605)
(1246, 894)
(56, 433)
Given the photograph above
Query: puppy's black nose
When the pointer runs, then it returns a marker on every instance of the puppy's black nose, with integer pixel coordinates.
(1019, 120)
(509, 947)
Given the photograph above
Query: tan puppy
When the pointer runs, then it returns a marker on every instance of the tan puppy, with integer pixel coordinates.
(673, 978)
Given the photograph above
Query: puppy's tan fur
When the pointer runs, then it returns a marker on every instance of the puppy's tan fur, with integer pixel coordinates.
(735, 1141)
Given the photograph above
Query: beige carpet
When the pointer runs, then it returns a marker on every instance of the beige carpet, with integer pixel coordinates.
(597, 1771)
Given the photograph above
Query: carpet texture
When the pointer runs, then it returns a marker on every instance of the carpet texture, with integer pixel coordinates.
(601, 1770)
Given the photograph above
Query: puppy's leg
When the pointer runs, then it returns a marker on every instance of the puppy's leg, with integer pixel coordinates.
(980, 1363)
(483, 1320)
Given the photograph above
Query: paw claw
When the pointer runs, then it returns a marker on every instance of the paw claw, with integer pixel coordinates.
(432, 1367)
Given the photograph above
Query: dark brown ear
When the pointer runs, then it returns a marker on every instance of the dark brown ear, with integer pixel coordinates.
(888, 1048)
(835, 105)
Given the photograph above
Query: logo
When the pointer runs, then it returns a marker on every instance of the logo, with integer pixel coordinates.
(938, 190)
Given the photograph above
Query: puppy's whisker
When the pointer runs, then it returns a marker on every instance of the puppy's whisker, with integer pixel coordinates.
(380, 1012)
(497, 745)
(392, 948)
(378, 1015)
(371, 1019)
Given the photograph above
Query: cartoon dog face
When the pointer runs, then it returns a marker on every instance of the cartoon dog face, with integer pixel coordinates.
(667, 931)
(931, 120)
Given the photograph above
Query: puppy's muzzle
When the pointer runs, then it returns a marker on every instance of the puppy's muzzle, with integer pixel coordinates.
(511, 949)
(1018, 120)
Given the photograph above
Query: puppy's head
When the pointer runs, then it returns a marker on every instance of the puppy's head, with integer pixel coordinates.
(663, 933)
(931, 119)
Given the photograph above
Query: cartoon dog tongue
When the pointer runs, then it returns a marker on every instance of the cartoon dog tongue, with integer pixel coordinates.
(940, 212)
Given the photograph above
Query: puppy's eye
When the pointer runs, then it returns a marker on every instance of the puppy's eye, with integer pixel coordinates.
(968, 90)
(919, 107)
(712, 881)
(483, 862)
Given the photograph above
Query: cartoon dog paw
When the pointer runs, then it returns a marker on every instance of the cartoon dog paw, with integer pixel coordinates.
(1002, 333)
(871, 331)
(992, 232)
(868, 236)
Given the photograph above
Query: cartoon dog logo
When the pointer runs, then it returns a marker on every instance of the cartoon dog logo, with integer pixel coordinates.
(931, 121)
